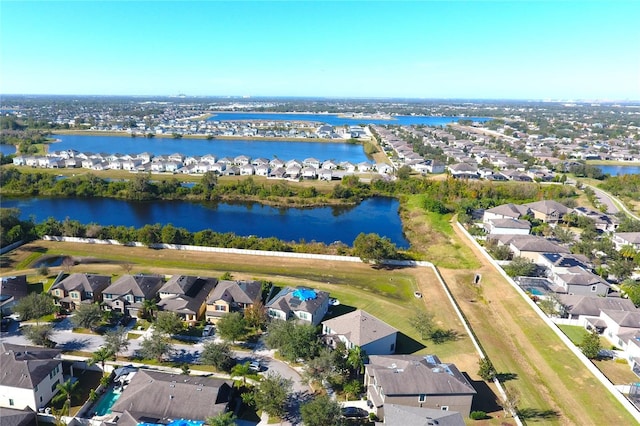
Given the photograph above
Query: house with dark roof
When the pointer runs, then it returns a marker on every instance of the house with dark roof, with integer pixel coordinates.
(301, 303)
(79, 288)
(577, 280)
(577, 306)
(548, 211)
(12, 289)
(417, 382)
(232, 296)
(359, 328)
(28, 376)
(160, 398)
(186, 296)
(129, 292)
(12, 417)
(530, 246)
(403, 415)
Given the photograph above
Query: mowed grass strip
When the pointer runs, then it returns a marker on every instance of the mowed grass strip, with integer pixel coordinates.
(553, 385)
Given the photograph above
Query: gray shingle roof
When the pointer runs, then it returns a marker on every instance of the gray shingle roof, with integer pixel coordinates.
(588, 305)
(162, 396)
(84, 282)
(403, 415)
(145, 286)
(26, 366)
(246, 292)
(360, 327)
(414, 375)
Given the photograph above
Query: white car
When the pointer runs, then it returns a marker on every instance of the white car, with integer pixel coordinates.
(255, 366)
(207, 330)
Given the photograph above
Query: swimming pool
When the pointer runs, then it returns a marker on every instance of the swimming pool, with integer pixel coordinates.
(106, 402)
(535, 291)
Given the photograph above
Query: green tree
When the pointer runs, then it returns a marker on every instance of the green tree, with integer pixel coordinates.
(320, 368)
(66, 391)
(352, 388)
(149, 308)
(373, 248)
(232, 326)
(590, 345)
(256, 315)
(270, 395)
(39, 334)
(217, 354)
(520, 267)
(222, 419)
(293, 340)
(117, 340)
(242, 371)
(321, 411)
(423, 323)
(632, 290)
(101, 355)
(155, 347)
(87, 316)
(34, 306)
(168, 323)
(355, 360)
(486, 369)
(403, 173)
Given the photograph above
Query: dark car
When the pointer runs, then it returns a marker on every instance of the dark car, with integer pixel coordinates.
(5, 324)
(354, 413)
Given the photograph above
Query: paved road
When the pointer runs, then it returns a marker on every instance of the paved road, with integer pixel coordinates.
(608, 200)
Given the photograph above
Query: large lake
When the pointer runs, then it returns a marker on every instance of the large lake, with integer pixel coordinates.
(285, 150)
(323, 224)
(336, 120)
(620, 170)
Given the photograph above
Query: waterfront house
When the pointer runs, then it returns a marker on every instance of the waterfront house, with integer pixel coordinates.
(154, 397)
(262, 170)
(29, 376)
(232, 296)
(329, 165)
(311, 162)
(127, 294)
(303, 304)
(186, 296)
(359, 328)
(218, 168)
(247, 170)
(79, 288)
(417, 382)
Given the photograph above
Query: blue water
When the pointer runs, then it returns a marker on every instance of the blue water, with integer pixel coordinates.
(7, 149)
(285, 150)
(106, 402)
(322, 224)
(335, 120)
(620, 170)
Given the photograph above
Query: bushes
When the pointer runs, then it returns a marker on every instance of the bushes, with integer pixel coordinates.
(478, 415)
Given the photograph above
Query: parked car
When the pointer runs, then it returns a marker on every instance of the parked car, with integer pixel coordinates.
(255, 366)
(5, 324)
(354, 413)
(207, 330)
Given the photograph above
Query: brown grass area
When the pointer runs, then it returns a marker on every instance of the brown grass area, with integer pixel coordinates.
(551, 382)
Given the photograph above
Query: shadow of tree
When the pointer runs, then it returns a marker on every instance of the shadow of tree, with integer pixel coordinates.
(74, 345)
(439, 336)
(536, 413)
(505, 377)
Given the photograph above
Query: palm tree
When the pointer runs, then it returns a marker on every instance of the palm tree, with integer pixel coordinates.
(242, 371)
(101, 355)
(149, 307)
(66, 391)
(355, 359)
(628, 251)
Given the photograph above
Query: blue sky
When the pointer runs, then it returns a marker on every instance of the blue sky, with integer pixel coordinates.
(420, 49)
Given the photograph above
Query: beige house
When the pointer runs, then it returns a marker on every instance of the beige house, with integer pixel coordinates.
(79, 288)
(359, 328)
(548, 211)
(417, 382)
(232, 296)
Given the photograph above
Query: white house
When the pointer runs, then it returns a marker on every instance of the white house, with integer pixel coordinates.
(301, 303)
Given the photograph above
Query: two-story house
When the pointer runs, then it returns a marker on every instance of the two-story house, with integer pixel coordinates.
(360, 328)
(417, 382)
(301, 303)
(29, 376)
(79, 288)
(129, 292)
(186, 296)
(232, 296)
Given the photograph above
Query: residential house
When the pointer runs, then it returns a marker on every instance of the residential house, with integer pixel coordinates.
(557, 263)
(403, 415)
(576, 306)
(186, 296)
(577, 280)
(79, 288)
(603, 221)
(530, 246)
(29, 376)
(153, 397)
(301, 303)
(232, 296)
(621, 239)
(619, 326)
(11, 417)
(12, 289)
(507, 226)
(359, 328)
(505, 211)
(548, 211)
(417, 382)
(128, 293)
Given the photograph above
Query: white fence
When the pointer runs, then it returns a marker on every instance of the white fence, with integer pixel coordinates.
(587, 363)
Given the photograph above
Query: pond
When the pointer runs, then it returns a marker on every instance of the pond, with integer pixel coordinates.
(323, 224)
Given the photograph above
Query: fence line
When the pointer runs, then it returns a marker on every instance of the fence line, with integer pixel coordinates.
(563, 337)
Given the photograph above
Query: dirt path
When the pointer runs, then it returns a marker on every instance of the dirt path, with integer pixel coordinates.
(513, 336)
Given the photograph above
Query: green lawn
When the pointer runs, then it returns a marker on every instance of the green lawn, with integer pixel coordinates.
(575, 333)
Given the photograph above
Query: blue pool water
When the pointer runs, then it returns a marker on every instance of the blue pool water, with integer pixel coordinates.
(106, 402)
(536, 292)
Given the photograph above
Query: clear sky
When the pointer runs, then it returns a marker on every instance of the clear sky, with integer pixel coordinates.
(420, 49)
